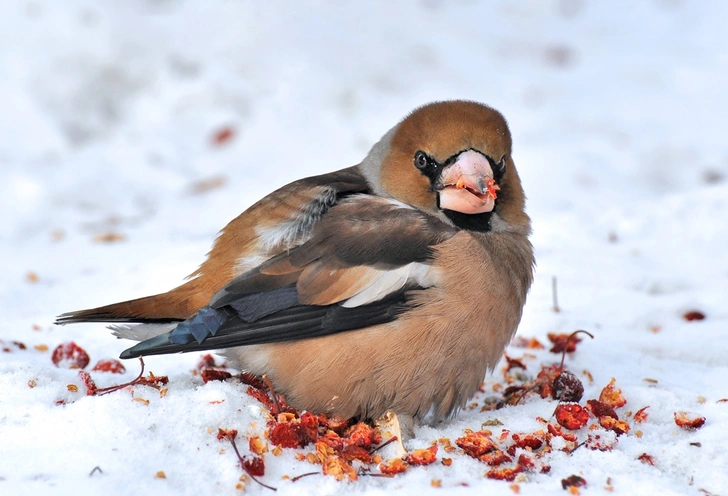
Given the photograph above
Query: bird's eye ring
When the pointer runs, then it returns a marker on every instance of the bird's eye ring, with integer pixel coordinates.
(421, 160)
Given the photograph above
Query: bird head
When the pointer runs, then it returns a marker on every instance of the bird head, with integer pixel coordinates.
(451, 159)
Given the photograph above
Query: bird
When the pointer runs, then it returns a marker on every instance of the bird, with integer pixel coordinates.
(390, 286)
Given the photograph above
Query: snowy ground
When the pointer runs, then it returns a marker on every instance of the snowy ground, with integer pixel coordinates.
(108, 113)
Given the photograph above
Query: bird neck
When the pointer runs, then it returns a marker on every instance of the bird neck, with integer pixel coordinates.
(470, 222)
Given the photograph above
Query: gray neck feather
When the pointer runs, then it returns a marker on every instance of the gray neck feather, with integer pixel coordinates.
(372, 163)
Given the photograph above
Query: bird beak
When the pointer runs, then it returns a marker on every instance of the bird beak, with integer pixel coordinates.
(467, 185)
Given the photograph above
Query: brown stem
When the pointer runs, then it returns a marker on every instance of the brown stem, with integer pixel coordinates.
(242, 464)
(111, 389)
(524, 393)
(566, 345)
(303, 475)
(385, 443)
(272, 392)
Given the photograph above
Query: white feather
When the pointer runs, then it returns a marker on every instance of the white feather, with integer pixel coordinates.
(253, 358)
(244, 264)
(140, 332)
(286, 235)
(298, 228)
(391, 281)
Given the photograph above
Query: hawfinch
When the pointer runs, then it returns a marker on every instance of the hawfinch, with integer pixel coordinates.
(392, 285)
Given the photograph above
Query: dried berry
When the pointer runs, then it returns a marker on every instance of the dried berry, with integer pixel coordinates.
(339, 468)
(289, 435)
(571, 416)
(222, 136)
(205, 362)
(363, 435)
(567, 387)
(612, 396)
(395, 466)
(261, 396)
(423, 456)
(527, 441)
(694, 315)
(682, 420)
(612, 424)
(91, 388)
(601, 409)
(573, 481)
(109, 365)
(476, 443)
(495, 458)
(228, 434)
(257, 446)
(215, 375)
(252, 380)
(528, 463)
(563, 342)
(641, 415)
(351, 452)
(254, 465)
(529, 343)
(514, 363)
(153, 380)
(506, 474)
(70, 356)
(546, 378)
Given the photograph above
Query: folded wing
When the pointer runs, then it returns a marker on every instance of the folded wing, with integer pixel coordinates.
(355, 270)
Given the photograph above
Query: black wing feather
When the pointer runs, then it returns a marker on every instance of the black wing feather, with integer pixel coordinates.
(297, 322)
(261, 307)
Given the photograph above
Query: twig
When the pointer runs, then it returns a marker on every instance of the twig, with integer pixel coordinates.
(111, 389)
(385, 443)
(554, 295)
(528, 390)
(303, 475)
(242, 464)
(566, 345)
(96, 469)
(561, 365)
(578, 445)
(272, 391)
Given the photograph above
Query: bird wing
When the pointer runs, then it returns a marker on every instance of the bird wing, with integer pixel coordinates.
(279, 221)
(354, 270)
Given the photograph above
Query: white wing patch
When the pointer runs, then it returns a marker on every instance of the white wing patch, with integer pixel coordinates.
(244, 264)
(140, 332)
(391, 281)
(399, 203)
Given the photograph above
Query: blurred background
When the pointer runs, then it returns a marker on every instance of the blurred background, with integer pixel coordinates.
(132, 131)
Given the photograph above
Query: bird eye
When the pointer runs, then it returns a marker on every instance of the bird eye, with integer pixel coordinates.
(421, 159)
(501, 166)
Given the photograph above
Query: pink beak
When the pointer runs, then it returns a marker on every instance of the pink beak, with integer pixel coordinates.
(468, 185)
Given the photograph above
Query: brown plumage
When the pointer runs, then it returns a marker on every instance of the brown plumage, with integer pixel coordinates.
(391, 285)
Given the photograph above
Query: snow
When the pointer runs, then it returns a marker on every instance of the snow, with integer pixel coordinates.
(108, 112)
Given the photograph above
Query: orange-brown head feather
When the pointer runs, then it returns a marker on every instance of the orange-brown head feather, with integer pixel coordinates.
(442, 130)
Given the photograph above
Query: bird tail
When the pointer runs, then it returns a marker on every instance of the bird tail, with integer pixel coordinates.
(173, 306)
